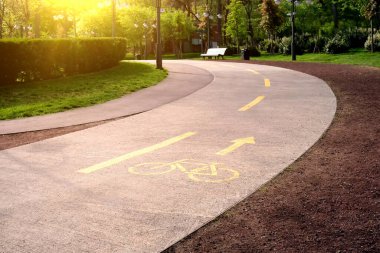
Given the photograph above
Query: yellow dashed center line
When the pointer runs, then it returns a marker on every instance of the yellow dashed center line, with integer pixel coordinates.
(267, 82)
(254, 71)
(252, 104)
(230, 65)
(136, 153)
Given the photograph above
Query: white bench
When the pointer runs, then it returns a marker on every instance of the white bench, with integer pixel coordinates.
(214, 52)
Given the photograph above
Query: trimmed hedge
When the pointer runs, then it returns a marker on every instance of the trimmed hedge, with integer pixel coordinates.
(40, 59)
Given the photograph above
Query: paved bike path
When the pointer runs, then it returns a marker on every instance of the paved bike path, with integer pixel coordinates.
(178, 84)
(95, 190)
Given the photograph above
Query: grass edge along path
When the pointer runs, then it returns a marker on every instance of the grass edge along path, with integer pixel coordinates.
(51, 96)
(353, 57)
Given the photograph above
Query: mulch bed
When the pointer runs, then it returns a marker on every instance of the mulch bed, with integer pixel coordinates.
(327, 201)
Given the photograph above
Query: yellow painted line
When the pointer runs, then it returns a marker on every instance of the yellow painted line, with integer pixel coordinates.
(267, 82)
(230, 65)
(237, 144)
(136, 153)
(254, 71)
(252, 104)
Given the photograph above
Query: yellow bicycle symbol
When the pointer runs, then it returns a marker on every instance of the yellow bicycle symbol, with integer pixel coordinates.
(197, 171)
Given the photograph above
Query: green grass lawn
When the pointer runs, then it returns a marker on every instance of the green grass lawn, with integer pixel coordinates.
(354, 57)
(43, 97)
(129, 56)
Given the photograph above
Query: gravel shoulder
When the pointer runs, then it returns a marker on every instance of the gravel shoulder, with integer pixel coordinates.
(328, 200)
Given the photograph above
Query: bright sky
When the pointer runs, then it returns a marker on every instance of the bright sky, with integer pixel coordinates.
(80, 3)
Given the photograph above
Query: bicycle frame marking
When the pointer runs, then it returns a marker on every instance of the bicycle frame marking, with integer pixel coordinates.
(203, 172)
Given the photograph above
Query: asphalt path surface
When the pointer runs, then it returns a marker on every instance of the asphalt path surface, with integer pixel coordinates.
(141, 183)
(175, 86)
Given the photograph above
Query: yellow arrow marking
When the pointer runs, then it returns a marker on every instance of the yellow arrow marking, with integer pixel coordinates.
(136, 153)
(252, 104)
(267, 82)
(237, 144)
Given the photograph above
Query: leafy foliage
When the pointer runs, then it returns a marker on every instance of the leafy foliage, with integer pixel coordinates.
(270, 46)
(271, 18)
(338, 44)
(176, 27)
(26, 60)
(376, 42)
(239, 22)
(236, 27)
(253, 51)
(371, 8)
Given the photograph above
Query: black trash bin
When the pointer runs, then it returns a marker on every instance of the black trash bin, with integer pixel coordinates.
(138, 57)
(245, 54)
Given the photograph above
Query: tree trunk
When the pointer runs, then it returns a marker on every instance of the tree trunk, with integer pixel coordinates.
(372, 35)
(179, 56)
(335, 17)
(2, 13)
(1, 27)
(37, 25)
(219, 26)
(248, 9)
(227, 12)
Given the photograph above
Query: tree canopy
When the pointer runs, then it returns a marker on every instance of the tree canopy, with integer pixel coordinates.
(238, 22)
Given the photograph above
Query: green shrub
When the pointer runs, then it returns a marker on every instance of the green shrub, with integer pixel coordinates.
(357, 38)
(28, 60)
(376, 42)
(253, 52)
(232, 51)
(285, 45)
(338, 44)
(316, 44)
(270, 46)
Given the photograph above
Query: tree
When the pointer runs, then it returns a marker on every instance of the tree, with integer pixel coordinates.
(236, 25)
(249, 6)
(176, 27)
(370, 11)
(2, 15)
(271, 17)
(136, 23)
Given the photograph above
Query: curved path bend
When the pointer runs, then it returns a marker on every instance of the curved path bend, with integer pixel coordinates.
(141, 183)
(178, 84)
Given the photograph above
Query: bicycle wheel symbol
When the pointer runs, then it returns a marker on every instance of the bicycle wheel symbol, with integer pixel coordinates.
(196, 171)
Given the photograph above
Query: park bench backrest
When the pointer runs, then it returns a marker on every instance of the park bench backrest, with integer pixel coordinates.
(216, 51)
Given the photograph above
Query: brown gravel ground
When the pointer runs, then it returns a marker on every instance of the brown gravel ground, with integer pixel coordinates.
(327, 201)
